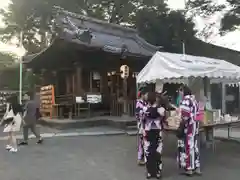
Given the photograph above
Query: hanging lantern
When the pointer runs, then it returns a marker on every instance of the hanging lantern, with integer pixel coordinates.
(124, 69)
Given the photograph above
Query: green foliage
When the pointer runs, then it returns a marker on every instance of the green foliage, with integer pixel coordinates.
(8, 76)
(29, 80)
(30, 17)
(152, 18)
(231, 20)
(9, 73)
(6, 60)
(231, 10)
(165, 28)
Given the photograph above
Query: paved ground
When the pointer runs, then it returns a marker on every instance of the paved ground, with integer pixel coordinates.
(50, 132)
(106, 130)
(106, 158)
(43, 130)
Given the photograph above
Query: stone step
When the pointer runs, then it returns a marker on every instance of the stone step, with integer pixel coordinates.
(132, 127)
(131, 133)
(116, 122)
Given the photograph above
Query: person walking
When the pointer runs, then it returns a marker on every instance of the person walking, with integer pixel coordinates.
(188, 152)
(12, 121)
(140, 104)
(30, 117)
(152, 133)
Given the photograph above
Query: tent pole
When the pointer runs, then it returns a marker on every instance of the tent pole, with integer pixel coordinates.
(136, 89)
(184, 50)
(223, 97)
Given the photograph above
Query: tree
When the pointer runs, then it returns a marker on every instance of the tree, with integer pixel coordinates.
(7, 69)
(6, 60)
(34, 18)
(231, 10)
(9, 73)
(166, 28)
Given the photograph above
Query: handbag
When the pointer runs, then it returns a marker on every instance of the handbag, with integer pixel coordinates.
(7, 121)
(8, 117)
(180, 130)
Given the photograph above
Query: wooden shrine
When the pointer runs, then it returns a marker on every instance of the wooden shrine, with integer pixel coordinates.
(84, 59)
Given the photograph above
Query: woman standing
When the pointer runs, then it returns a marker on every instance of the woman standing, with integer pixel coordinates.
(188, 152)
(140, 104)
(12, 120)
(153, 116)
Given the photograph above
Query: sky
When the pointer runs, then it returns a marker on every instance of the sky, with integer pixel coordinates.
(230, 40)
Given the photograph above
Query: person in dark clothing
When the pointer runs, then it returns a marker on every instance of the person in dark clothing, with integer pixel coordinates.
(30, 117)
(152, 126)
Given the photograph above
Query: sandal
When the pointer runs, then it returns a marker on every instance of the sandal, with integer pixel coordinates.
(149, 176)
(158, 176)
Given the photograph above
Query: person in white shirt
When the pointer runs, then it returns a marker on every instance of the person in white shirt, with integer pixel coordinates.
(12, 121)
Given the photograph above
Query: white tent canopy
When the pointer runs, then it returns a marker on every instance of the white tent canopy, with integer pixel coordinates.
(170, 67)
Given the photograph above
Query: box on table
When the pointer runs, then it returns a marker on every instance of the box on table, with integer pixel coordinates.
(173, 120)
(211, 117)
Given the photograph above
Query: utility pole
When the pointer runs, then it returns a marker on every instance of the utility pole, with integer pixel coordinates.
(20, 69)
(183, 43)
(183, 48)
(21, 61)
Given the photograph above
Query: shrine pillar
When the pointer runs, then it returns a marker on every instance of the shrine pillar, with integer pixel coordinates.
(79, 83)
(55, 81)
(104, 84)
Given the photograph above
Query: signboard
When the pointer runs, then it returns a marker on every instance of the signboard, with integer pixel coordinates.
(79, 100)
(94, 98)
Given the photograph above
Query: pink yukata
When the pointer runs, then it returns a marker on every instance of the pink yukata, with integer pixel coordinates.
(188, 152)
(140, 104)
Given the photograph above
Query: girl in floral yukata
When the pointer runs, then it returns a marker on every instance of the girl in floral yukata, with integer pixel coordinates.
(152, 126)
(140, 104)
(188, 152)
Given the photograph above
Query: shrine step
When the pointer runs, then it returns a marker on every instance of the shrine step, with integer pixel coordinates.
(132, 127)
(116, 122)
(131, 130)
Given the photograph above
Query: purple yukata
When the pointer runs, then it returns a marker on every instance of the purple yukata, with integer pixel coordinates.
(140, 104)
(188, 152)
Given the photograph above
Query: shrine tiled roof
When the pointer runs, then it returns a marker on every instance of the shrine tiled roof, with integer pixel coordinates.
(96, 33)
